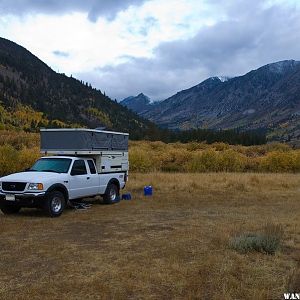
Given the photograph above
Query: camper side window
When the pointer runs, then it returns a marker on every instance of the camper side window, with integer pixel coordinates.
(92, 166)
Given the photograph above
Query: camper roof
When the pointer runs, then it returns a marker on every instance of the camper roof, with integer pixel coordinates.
(82, 139)
(83, 129)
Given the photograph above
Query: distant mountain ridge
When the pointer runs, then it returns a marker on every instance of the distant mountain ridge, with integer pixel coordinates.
(138, 104)
(33, 92)
(267, 98)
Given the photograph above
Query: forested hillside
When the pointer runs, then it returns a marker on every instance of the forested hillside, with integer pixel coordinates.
(32, 96)
(29, 85)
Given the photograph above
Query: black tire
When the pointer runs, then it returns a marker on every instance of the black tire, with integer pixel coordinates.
(10, 209)
(112, 194)
(55, 204)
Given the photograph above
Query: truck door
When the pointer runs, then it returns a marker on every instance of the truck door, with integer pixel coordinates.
(94, 181)
(79, 180)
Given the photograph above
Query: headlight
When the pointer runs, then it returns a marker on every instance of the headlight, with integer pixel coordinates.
(0, 185)
(35, 186)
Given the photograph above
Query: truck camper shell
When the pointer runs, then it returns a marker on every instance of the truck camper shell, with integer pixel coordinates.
(108, 149)
(78, 140)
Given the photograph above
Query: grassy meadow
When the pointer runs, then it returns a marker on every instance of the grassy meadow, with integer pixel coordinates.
(223, 223)
(174, 245)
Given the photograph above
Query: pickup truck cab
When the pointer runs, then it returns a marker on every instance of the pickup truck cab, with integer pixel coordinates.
(54, 181)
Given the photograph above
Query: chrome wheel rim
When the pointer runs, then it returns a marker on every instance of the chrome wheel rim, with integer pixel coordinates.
(112, 194)
(56, 204)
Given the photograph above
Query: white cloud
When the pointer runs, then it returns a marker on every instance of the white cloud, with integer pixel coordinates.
(231, 47)
(154, 46)
(135, 32)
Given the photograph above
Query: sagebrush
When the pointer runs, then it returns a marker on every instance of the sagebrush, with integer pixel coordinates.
(268, 241)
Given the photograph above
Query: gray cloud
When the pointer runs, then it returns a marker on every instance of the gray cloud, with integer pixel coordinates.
(61, 53)
(94, 8)
(250, 37)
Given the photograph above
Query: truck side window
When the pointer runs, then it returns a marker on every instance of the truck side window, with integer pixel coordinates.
(92, 167)
(79, 168)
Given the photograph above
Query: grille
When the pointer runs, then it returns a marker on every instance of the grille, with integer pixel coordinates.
(13, 186)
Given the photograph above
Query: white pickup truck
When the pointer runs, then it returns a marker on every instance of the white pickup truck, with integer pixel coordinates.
(54, 181)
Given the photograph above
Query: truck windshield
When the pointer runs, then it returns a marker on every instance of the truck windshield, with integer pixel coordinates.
(57, 165)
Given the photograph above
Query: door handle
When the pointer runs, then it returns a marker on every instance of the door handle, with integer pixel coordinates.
(88, 178)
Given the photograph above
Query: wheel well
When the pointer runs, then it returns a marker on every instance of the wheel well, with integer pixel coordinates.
(115, 182)
(59, 188)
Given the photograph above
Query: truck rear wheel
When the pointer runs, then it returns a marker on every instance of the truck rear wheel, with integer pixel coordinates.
(9, 209)
(55, 204)
(112, 194)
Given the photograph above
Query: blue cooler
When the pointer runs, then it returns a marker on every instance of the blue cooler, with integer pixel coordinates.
(148, 190)
(126, 196)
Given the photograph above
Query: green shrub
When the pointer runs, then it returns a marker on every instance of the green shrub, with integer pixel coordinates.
(231, 161)
(279, 161)
(8, 159)
(220, 146)
(146, 156)
(277, 147)
(12, 160)
(140, 161)
(174, 160)
(216, 161)
(194, 146)
(203, 161)
(19, 139)
(268, 241)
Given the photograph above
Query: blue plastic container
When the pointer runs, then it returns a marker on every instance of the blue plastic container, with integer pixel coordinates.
(126, 196)
(148, 190)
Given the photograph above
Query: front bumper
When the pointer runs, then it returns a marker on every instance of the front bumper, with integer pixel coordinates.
(24, 199)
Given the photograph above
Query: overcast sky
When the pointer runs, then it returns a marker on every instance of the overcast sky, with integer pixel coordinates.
(125, 47)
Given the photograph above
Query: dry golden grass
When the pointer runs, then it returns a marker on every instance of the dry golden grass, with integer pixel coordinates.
(174, 245)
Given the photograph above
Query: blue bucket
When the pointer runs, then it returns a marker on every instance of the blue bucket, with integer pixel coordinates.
(126, 196)
(148, 190)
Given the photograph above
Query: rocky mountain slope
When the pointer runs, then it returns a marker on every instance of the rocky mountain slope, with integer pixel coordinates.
(139, 104)
(267, 98)
(33, 95)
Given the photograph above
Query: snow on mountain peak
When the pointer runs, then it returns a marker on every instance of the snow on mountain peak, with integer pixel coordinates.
(224, 78)
(283, 66)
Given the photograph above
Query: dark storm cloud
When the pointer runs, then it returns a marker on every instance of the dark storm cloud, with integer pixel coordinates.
(236, 45)
(61, 53)
(250, 37)
(94, 8)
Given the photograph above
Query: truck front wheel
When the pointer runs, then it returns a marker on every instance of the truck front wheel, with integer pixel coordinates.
(55, 204)
(112, 194)
(9, 209)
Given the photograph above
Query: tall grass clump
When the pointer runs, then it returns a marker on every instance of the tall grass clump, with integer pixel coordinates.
(268, 241)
